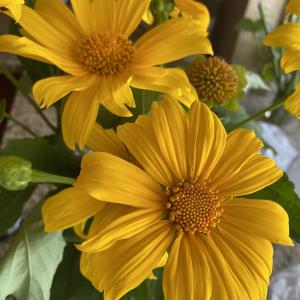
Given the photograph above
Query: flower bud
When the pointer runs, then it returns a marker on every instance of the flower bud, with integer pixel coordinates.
(15, 173)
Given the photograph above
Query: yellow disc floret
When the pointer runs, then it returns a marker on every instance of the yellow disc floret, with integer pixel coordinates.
(193, 207)
(214, 79)
(106, 54)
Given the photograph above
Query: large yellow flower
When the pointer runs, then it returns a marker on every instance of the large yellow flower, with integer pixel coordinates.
(179, 190)
(14, 6)
(93, 46)
(288, 37)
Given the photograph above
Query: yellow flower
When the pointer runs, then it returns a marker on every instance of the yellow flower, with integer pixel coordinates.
(93, 46)
(14, 6)
(182, 193)
(288, 37)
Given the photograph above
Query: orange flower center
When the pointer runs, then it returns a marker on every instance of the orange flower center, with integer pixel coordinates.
(106, 54)
(193, 207)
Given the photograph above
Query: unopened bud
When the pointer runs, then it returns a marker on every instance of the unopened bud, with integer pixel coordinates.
(15, 173)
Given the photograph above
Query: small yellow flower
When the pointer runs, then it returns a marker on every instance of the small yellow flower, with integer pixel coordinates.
(288, 36)
(181, 191)
(93, 46)
(14, 6)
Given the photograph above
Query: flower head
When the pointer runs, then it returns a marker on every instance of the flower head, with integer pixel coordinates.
(14, 6)
(184, 193)
(100, 59)
(287, 36)
(214, 79)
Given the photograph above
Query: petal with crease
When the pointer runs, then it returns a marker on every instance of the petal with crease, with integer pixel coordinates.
(68, 208)
(112, 179)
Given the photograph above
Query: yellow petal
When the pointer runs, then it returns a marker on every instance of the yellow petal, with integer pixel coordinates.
(112, 179)
(169, 122)
(240, 146)
(129, 15)
(79, 229)
(27, 48)
(292, 103)
(79, 116)
(187, 274)
(254, 252)
(171, 41)
(286, 36)
(108, 214)
(293, 7)
(225, 285)
(16, 11)
(169, 81)
(262, 218)
(122, 228)
(290, 60)
(194, 9)
(106, 140)
(128, 263)
(206, 140)
(116, 95)
(65, 20)
(240, 269)
(68, 208)
(140, 140)
(148, 17)
(48, 91)
(83, 11)
(257, 173)
(47, 35)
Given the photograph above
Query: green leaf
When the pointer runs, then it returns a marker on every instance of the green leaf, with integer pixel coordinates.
(28, 268)
(11, 206)
(255, 82)
(2, 109)
(247, 24)
(231, 118)
(68, 283)
(283, 193)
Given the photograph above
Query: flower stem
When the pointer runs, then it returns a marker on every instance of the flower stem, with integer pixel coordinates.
(20, 124)
(270, 108)
(16, 83)
(44, 177)
(275, 63)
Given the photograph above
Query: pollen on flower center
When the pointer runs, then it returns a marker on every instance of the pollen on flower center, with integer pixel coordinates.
(214, 79)
(106, 54)
(193, 207)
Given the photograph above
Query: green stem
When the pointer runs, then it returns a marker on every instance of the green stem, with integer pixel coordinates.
(261, 113)
(272, 49)
(44, 177)
(17, 84)
(20, 124)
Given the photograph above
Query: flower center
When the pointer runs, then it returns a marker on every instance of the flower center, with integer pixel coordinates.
(106, 54)
(193, 207)
(214, 79)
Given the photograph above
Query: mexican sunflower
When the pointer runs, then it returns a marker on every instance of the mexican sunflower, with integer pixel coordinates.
(100, 58)
(288, 37)
(14, 6)
(177, 189)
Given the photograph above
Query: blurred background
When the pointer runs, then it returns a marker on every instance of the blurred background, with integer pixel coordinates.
(236, 31)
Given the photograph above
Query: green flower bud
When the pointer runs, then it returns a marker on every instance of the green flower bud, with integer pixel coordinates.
(15, 173)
